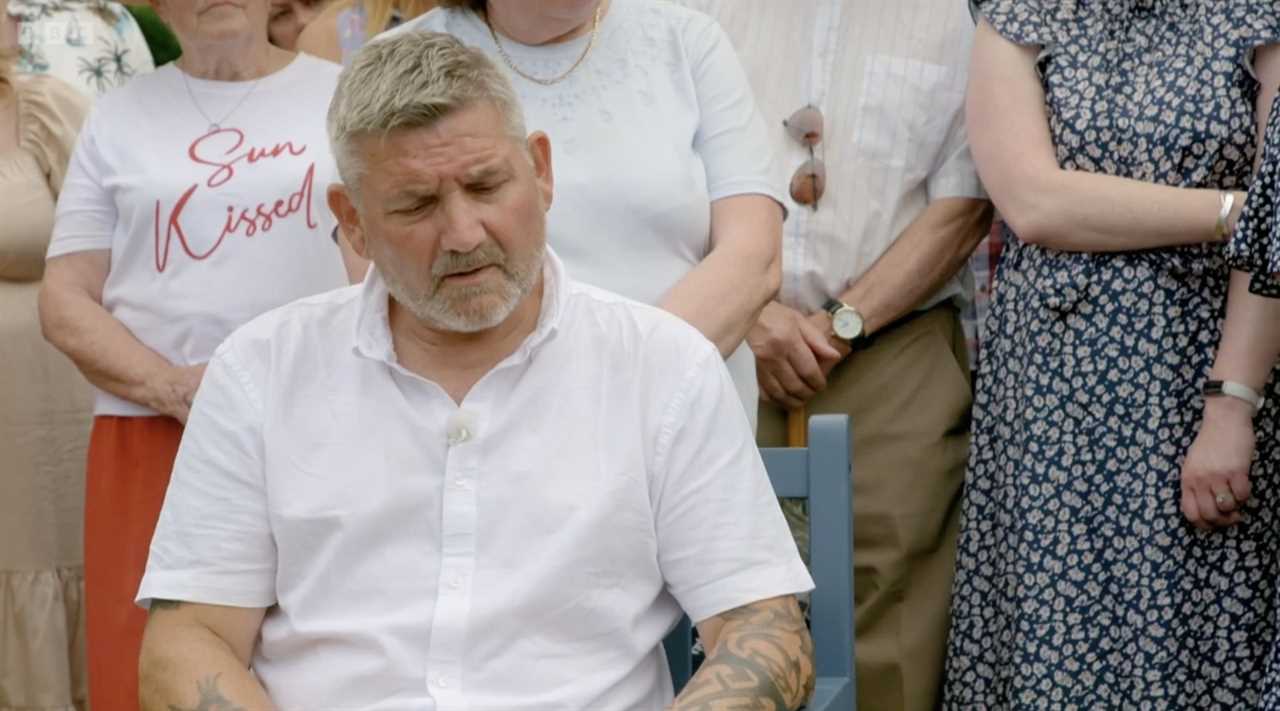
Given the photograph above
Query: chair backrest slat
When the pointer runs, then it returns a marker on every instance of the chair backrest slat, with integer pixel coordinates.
(679, 646)
(788, 471)
(831, 544)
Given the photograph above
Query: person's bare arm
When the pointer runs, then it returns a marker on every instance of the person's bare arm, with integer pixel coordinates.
(1251, 338)
(1219, 460)
(1067, 210)
(933, 248)
(1250, 344)
(724, 294)
(74, 321)
(195, 657)
(794, 351)
(760, 656)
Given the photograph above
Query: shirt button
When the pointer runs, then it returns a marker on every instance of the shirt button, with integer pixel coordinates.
(442, 682)
(461, 482)
(459, 434)
(455, 582)
(460, 427)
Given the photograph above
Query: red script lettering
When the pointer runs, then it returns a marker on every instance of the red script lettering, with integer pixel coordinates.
(248, 221)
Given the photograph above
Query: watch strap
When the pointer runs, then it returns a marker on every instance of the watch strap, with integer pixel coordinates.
(1229, 388)
(833, 305)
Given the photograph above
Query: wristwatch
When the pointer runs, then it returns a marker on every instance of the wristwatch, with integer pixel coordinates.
(845, 321)
(1218, 388)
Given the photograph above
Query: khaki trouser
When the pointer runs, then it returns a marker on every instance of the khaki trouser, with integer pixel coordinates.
(908, 396)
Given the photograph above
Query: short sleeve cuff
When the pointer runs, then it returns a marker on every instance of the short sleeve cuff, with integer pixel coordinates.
(203, 589)
(70, 245)
(744, 588)
(1257, 25)
(732, 188)
(960, 184)
(1019, 21)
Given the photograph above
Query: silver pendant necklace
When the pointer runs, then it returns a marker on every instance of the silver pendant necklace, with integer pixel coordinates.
(216, 125)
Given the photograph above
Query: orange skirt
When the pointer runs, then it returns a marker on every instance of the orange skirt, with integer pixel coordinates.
(130, 459)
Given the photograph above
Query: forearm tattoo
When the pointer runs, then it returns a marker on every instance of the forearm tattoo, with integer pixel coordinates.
(211, 698)
(763, 660)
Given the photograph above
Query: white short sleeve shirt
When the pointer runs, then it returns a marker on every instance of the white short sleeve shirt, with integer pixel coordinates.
(656, 123)
(206, 228)
(525, 550)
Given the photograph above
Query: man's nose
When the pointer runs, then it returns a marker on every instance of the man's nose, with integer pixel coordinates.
(463, 229)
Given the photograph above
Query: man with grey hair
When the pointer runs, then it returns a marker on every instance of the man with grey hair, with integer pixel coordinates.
(469, 482)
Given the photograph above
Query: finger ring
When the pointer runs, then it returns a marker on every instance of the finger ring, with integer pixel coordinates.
(1222, 499)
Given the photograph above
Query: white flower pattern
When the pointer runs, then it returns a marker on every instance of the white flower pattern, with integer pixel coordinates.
(1079, 584)
(1255, 246)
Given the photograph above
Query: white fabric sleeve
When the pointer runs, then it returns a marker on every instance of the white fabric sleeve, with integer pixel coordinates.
(86, 214)
(732, 138)
(213, 543)
(954, 174)
(722, 540)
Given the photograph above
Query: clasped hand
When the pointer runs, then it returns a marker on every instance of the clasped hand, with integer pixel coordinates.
(794, 354)
(1215, 474)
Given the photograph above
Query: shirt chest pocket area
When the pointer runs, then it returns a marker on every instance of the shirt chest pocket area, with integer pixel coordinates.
(905, 112)
(328, 484)
(588, 502)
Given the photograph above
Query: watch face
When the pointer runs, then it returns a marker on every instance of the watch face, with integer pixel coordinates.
(847, 324)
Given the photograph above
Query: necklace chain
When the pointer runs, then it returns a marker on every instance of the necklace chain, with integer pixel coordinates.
(215, 125)
(595, 31)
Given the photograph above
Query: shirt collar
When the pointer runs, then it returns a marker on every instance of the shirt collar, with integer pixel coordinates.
(373, 323)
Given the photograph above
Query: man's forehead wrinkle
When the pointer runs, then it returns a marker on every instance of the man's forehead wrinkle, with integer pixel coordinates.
(463, 157)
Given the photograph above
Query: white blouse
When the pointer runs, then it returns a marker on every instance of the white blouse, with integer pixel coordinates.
(656, 123)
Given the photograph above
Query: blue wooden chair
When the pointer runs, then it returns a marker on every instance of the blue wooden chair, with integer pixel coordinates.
(819, 473)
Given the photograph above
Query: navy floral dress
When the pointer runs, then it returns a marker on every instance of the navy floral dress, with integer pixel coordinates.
(1079, 584)
(1255, 247)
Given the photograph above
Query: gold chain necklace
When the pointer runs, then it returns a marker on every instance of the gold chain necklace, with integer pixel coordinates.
(595, 31)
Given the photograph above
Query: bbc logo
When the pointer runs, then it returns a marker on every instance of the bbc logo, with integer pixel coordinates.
(63, 31)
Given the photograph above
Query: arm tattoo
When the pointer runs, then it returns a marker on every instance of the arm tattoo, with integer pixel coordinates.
(763, 660)
(211, 698)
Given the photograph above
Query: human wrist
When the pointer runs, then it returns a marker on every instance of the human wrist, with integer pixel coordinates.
(1228, 410)
(160, 392)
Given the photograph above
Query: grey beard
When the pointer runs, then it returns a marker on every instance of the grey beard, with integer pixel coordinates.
(451, 313)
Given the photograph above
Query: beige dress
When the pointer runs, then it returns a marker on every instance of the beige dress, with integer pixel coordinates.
(45, 410)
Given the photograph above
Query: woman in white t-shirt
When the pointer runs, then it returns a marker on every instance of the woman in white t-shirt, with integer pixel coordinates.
(194, 201)
(664, 184)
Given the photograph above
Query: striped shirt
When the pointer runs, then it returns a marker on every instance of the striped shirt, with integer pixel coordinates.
(890, 79)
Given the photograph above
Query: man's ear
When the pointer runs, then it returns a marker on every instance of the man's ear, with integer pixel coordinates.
(540, 151)
(344, 209)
